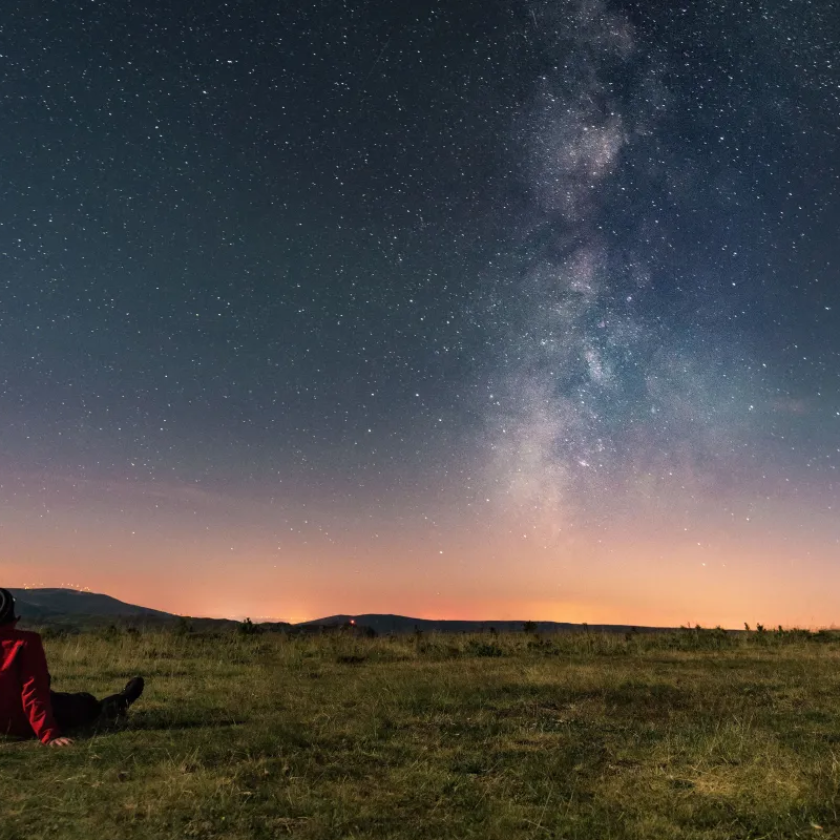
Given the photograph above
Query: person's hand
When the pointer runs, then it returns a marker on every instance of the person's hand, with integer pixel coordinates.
(60, 742)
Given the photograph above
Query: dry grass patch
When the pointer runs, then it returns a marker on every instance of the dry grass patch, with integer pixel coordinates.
(453, 737)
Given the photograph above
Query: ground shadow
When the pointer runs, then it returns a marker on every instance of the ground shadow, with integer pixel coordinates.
(154, 723)
(151, 722)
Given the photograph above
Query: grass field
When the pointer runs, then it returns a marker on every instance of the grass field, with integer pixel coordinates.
(689, 735)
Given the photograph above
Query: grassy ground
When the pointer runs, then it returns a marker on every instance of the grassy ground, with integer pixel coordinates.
(585, 736)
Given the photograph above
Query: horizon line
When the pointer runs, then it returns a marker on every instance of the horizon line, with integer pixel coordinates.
(274, 619)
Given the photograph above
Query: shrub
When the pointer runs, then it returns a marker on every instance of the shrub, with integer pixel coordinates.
(248, 628)
(477, 648)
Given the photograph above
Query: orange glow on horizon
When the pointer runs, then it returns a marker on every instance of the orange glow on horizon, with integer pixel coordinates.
(642, 572)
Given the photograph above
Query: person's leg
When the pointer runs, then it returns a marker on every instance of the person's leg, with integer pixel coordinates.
(74, 710)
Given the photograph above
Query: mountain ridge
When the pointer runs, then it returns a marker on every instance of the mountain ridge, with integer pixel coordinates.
(62, 606)
(63, 601)
(390, 623)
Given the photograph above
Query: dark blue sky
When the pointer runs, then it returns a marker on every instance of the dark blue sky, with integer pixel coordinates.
(408, 256)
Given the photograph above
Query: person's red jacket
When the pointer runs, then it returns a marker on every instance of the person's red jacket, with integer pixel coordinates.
(25, 706)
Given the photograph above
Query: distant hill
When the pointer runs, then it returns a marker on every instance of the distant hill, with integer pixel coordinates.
(71, 608)
(384, 624)
(54, 603)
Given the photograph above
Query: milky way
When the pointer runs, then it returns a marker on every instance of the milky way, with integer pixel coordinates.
(452, 308)
(607, 389)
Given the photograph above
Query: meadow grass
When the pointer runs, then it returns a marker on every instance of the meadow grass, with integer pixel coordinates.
(687, 735)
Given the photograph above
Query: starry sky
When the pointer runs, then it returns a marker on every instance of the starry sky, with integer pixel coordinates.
(521, 309)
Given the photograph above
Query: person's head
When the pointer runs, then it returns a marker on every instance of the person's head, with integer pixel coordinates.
(7, 607)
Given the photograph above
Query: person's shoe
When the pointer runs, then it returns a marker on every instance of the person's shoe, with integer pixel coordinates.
(133, 689)
(116, 705)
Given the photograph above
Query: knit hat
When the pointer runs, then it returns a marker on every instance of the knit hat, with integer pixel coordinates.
(7, 606)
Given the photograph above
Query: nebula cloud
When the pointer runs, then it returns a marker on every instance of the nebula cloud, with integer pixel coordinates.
(598, 390)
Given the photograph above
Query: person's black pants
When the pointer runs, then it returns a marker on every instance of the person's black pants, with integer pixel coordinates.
(72, 711)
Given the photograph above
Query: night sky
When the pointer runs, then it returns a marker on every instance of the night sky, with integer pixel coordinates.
(501, 310)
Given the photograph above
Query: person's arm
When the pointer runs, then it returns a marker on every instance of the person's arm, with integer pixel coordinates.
(35, 693)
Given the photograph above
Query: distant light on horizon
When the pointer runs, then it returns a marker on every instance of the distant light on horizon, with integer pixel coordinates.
(61, 585)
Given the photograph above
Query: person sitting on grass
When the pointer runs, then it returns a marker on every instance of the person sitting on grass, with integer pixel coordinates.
(27, 706)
